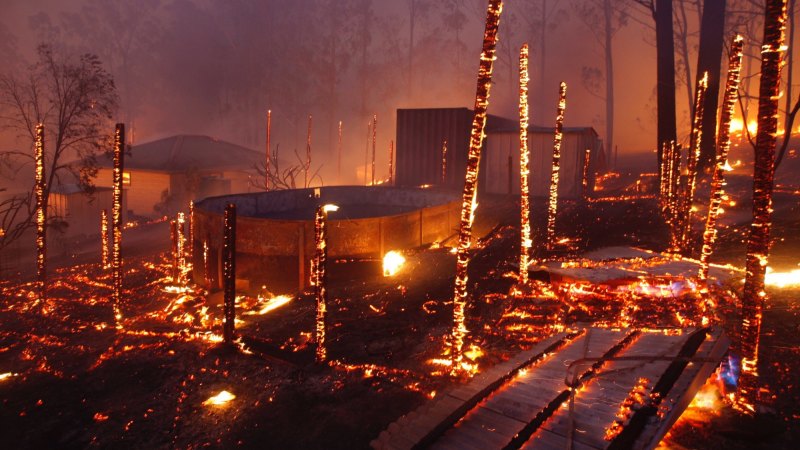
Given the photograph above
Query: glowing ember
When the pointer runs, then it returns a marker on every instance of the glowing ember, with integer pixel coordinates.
(468, 203)
(41, 215)
(220, 399)
(723, 145)
(552, 204)
(7, 375)
(392, 262)
(782, 279)
(524, 169)
(271, 305)
(116, 221)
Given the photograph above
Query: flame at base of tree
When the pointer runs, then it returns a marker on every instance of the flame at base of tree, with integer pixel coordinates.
(229, 272)
(552, 204)
(495, 7)
(116, 222)
(695, 142)
(723, 145)
(754, 296)
(524, 166)
(41, 216)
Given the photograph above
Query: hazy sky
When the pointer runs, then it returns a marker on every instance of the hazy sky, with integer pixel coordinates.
(215, 67)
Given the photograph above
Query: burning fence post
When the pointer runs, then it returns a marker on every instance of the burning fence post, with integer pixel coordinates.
(269, 150)
(753, 295)
(116, 221)
(585, 175)
(391, 163)
(308, 152)
(524, 167)
(553, 201)
(691, 165)
(104, 238)
(723, 145)
(468, 204)
(374, 142)
(320, 287)
(444, 160)
(674, 204)
(229, 273)
(41, 216)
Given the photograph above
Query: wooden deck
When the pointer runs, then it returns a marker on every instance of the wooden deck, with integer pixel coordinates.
(525, 402)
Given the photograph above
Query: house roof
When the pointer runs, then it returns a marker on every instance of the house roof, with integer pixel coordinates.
(184, 152)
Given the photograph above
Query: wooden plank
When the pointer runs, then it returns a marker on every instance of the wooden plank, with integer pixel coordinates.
(483, 427)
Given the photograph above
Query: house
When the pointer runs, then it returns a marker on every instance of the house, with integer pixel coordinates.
(422, 132)
(162, 176)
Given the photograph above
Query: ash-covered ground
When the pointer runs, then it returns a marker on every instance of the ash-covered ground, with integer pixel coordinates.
(74, 381)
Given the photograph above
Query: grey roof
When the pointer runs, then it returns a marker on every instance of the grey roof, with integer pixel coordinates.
(184, 152)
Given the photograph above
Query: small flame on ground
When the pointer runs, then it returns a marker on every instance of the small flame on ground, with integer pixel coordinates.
(220, 399)
(392, 262)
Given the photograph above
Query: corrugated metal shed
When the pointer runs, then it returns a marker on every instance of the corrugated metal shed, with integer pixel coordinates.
(420, 133)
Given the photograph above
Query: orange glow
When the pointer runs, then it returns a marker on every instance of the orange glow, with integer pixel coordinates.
(392, 263)
(220, 399)
(782, 279)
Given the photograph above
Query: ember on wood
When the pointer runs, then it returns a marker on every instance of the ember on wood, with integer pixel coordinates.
(116, 222)
(321, 277)
(695, 142)
(473, 162)
(229, 273)
(723, 145)
(552, 204)
(41, 216)
(753, 295)
(524, 167)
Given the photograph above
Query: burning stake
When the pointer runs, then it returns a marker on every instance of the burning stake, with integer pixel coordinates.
(553, 201)
(41, 216)
(116, 221)
(524, 169)
(229, 272)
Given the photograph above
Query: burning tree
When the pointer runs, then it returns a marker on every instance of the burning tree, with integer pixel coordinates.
(470, 183)
(524, 169)
(74, 98)
(552, 204)
(723, 145)
(763, 173)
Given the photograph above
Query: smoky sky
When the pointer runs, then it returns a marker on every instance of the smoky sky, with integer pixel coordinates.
(215, 67)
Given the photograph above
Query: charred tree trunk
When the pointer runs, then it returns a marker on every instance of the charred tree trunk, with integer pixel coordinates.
(229, 273)
(468, 205)
(665, 71)
(753, 296)
(709, 56)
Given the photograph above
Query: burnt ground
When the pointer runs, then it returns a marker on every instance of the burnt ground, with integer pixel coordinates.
(80, 383)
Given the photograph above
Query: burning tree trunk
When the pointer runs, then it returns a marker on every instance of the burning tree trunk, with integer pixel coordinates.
(553, 201)
(695, 142)
(269, 150)
(320, 276)
(229, 273)
(524, 166)
(391, 163)
(374, 144)
(190, 239)
(473, 161)
(116, 222)
(674, 200)
(308, 152)
(104, 238)
(585, 177)
(41, 216)
(180, 228)
(753, 296)
(723, 145)
(444, 161)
